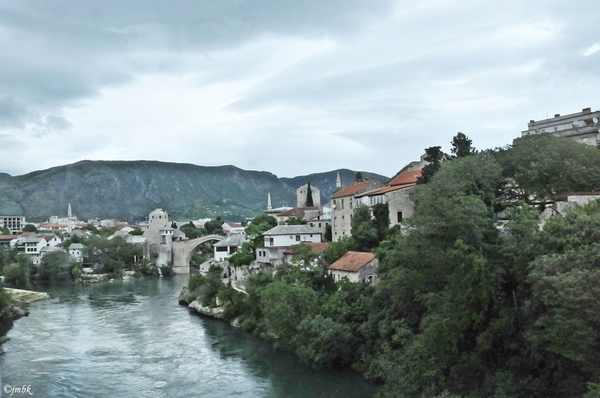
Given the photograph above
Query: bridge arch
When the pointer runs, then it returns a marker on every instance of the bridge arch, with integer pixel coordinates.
(182, 252)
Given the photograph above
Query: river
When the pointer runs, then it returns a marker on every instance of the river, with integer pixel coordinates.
(132, 339)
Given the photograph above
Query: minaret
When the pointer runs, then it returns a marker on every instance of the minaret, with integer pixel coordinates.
(269, 207)
(69, 219)
(338, 181)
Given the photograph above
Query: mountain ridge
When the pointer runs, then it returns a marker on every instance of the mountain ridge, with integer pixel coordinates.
(129, 190)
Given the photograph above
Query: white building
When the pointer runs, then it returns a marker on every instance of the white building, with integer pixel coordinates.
(279, 239)
(14, 224)
(581, 126)
(76, 251)
(228, 246)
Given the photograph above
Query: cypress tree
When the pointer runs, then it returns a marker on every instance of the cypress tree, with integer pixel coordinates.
(309, 198)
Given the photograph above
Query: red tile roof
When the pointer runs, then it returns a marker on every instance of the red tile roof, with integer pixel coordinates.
(352, 261)
(353, 189)
(317, 247)
(405, 178)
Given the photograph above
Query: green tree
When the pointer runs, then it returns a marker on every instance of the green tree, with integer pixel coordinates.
(56, 266)
(18, 272)
(283, 307)
(542, 165)
(295, 220)
(255, 239)
(30, 228)
(309, 198)
(363, 229)
(328, 235)
(462, 146)
(434, 156)
(5, 231)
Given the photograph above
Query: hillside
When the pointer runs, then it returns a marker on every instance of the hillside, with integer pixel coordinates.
(129, 190)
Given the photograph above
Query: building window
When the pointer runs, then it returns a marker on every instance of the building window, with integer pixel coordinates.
(399, 216)
(319, 225)
(342, 204)
(297, 238)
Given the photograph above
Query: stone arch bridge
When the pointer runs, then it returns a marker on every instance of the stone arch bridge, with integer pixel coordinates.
(183, 250)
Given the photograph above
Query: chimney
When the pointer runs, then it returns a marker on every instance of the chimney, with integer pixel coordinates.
(557, 115)
(586, 110)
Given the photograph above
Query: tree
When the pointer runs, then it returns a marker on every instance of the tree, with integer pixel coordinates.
(254, 234)
(363, 230)
(17, 273)
(56, 266)
(328, 235)
(434, 156)
(295, 220)
(30, 228)
(309, 198)
(359, 176)
(5, 231)
(462, 146)
(542, 165)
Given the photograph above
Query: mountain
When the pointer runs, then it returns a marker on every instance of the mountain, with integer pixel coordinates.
(129, 190)
(4, 175)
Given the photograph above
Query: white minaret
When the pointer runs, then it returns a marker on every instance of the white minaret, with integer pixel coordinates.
(269, 207)
(69, 219)
(338, 181)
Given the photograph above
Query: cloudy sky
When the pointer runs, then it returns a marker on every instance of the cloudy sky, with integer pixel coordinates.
(290, 87)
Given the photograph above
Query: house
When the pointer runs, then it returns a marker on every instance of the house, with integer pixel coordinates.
(580, 126)
(76, 251)
(356, 266)
(396, 194)
(233, 228)
(32, 246)
(303, 213)
(317, 248)
(228, 246)
(343, 205)
(6, 239)
(280, 238)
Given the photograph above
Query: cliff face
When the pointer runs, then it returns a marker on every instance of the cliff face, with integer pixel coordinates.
(129, 190)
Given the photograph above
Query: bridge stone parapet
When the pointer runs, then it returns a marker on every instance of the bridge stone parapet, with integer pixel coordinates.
(183, 250)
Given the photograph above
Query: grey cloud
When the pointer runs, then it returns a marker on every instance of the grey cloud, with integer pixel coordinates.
(12, 114)
(66, 51)
(58, 122)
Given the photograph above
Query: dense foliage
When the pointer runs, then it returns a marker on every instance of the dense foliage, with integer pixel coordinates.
(467, 304)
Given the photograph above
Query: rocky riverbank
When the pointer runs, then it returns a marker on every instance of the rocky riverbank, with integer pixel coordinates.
(20, 299)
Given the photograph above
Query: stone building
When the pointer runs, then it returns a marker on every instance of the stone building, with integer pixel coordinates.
(302, 196)
(160, 237)
(343, 204)
(356, 266)
(282, 237)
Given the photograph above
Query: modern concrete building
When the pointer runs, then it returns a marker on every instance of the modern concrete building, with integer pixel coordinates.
(14, 224)
(581, 126)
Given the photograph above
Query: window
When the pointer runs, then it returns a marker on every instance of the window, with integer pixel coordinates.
(297, 238)
(319, 225)
(342, 204)
(399, 216)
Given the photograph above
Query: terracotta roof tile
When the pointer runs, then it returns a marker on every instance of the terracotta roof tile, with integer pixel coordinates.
(352, 261)
(316, 247)
(405, 178)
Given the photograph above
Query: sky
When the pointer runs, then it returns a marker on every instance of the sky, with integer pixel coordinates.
(289, 87)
